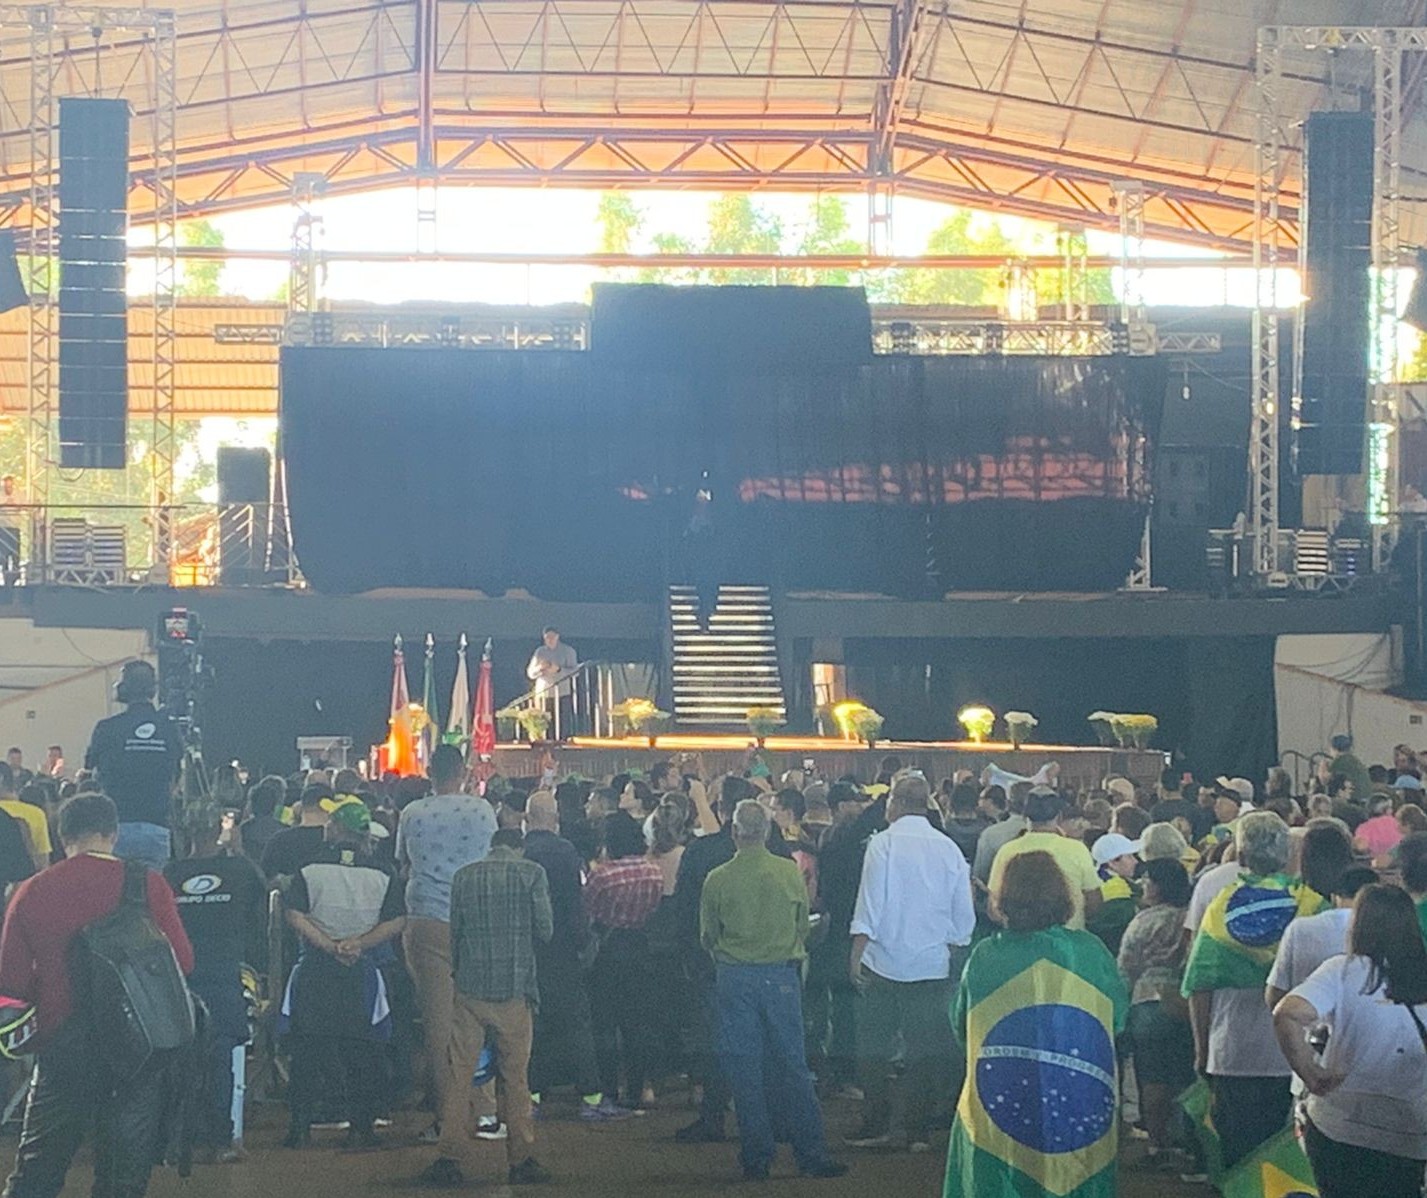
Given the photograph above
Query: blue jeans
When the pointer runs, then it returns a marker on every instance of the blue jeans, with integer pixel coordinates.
(149, 843)
(761, 1036)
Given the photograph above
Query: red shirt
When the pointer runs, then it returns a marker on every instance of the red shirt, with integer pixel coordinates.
(624, 893)
(46, 914)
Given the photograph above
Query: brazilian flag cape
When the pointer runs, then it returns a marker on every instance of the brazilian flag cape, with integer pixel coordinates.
(1038, 1013)
(1242, 926)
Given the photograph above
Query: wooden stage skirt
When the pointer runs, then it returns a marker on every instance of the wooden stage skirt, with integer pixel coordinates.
(1081, 767)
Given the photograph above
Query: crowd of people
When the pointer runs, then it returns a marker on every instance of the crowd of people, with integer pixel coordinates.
(991, 954)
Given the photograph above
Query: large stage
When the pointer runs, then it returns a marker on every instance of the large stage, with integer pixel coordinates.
(1081, 768)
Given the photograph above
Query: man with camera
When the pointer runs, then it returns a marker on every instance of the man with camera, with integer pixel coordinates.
(137, 755)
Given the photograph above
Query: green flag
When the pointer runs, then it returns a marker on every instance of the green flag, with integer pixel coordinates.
(1277, 1170)
(1038, 1013)
(431, 730)
(1198, 1105)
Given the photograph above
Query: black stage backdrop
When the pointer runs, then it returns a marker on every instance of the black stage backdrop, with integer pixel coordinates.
(1214, 698)
(576, 478)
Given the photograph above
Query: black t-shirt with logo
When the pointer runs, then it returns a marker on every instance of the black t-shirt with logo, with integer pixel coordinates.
(291, 849)
(137, 754)
(221, 901)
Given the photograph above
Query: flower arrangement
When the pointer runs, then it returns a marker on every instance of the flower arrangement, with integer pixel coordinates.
(1101, 722)
(866, 724)
(639, 715)
(534, 720)
(763, 722)
(1018, 727)
(1134, 731)
(978, 722)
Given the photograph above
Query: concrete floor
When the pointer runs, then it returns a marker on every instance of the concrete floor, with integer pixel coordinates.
(617, 1160)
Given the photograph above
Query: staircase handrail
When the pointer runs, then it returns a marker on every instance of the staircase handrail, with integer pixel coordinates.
(536, 693)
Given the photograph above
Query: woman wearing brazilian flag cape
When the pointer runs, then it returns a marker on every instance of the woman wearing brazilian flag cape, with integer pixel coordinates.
(1038, 1010)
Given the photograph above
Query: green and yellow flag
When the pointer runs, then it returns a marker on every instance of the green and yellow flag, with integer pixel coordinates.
(1198, 1105)
(1242, 926)
(1038, 1013)
(1277, 1170)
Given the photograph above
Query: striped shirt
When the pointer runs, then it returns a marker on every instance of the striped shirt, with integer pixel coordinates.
(624, 893)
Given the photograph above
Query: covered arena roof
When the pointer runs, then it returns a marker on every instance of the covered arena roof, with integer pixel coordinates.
(1030, 108)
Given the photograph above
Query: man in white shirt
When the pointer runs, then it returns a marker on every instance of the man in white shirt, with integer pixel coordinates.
(1309, 942)
(914, 915)
(550, 668)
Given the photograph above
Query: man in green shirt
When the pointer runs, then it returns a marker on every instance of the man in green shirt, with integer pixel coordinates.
(753, 919)
(1346, 765)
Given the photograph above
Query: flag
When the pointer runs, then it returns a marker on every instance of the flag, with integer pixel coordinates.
(483, 734)
(458, 724)
(1242, 926)
(431, 725)
(400, 757)
(1198, 1105)
(1038, 1013)
(1277, 1170)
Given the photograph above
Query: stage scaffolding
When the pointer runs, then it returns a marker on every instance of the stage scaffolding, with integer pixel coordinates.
(123, 53)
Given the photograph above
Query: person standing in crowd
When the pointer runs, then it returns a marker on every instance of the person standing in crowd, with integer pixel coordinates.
(346, 909)
(563, 1045)
(991, 841)
(136, 756)
(1151, 962)
(500, 910)
(435, 838)
(1365, 1117)
(256, 832)
(914, 917)
(964, 822)
(17, 862)
(700, 859)
(1325, 851)
(300, 845)
(829, 995)
(621, 894)
(1043, 810)
(29, 809)
(1310, 941)
(753, 920)
(19, 775)
(1116, 859)
(73, 1093)
(550, 668)
(1035, 995)
(54, 762)
(1237, 916)
(222, 901)
(1346, 764)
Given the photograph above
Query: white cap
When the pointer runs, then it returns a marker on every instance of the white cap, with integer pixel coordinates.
(1240, 786)
(1113, 845)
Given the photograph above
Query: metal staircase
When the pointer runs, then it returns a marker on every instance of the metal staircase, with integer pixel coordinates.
(721, 673)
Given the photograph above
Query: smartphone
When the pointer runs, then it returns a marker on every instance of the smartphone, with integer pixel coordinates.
(230, 819)
(808, 765)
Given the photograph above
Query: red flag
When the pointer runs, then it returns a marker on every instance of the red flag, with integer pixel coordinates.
(483, 730)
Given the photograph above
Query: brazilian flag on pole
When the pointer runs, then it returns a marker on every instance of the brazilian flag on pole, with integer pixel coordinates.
(1038, 1013)
(1197, 1103)
(1277, 1170)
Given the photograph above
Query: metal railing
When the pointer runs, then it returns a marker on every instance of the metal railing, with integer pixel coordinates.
(591, 694)
(118, 544)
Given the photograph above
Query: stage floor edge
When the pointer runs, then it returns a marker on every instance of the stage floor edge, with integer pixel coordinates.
(1081, 766)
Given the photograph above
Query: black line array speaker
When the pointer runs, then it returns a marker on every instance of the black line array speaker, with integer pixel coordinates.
(1337, 259)
(244, 482)
(93, 305)
(12, 286)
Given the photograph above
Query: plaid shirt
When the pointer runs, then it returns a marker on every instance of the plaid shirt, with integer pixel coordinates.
(624, 893)
(500, 907)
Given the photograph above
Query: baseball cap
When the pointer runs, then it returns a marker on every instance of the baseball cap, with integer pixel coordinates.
(1112, 845)
(1239, 786)
(354, 815)
(1407, 782)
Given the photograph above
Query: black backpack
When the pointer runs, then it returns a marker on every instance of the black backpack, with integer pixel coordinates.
(129, 984)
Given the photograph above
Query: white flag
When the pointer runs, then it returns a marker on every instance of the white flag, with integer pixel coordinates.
(458, 726)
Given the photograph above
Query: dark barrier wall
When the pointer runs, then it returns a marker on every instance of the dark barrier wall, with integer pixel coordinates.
(574, 477)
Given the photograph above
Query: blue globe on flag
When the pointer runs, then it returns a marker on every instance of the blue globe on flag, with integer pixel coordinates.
(1258, 916)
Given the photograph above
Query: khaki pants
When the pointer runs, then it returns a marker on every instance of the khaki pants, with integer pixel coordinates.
(509, 1027)
(426, 944)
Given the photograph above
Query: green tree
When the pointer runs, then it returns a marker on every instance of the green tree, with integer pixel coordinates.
(954, 235)
(620, 220)
(828, 230)
(200, 278)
